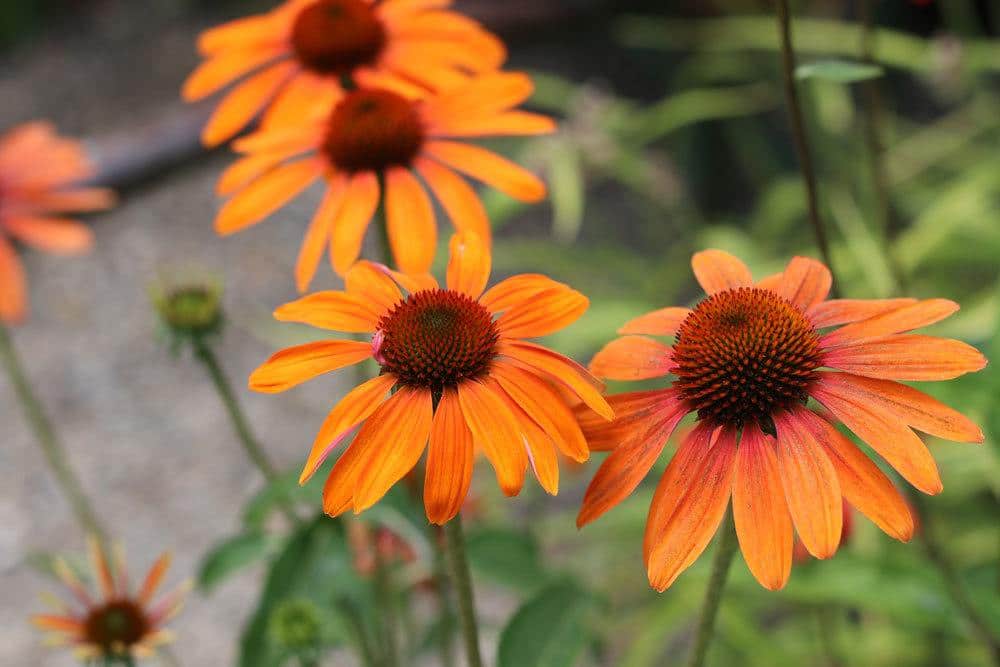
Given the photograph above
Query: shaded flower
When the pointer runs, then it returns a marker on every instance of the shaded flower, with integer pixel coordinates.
(189, 309)
(116, 623)
(463, 376)
(299, 53)
(746, 360)
(39, 177)
(375, 139)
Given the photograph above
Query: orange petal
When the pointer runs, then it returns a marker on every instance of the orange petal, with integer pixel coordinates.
(663, 322)
(338, 311)
(489, 94)
(221, 70)
(368, 281)
(65, 624)
(469, 264)
(318, 234)
(688, 507)
(908, 405)
(907, 357)
(353, 409)
(349, 228)
(153, 579)
(632, 411)
(863, 484)
(763, 524)
(102, 568)
(507, 124)
(241, 33)
(266, 195)
(884, 431)
(805, 282)
(13, 292)
(489, 168)
(410, 218)
(246, 169)
(338, 490)
(494, 429)
(457, 198)
(630, 462)
(843, 311)
(566, 371)
(541, 449)
(394, 439)
(244, 102)
(307, 97)
(450, 459)
(811, 485)
(77, 200)
(907, 318)
(716, 270)
(515, 290)
(295, 365)
(632, 358)
(56, 235)
(547, 312)
(545, 406)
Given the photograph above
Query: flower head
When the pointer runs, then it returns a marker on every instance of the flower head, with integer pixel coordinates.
(747, 359)
(374, 139)
(116, 623)
(39, 177)
(299, 53)
(463, 378)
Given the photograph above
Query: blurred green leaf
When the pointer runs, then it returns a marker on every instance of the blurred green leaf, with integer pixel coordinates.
(550, 630)
(507, 557)
(233, 555)
(567, 191)
(840, 71)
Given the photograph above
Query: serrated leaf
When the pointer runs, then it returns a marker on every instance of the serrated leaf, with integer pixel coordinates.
(233, 555)
(550, 630)
(839, 71)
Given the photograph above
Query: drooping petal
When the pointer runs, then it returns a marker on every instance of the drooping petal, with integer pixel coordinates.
(805, 282)
(716, 270)
(62, 236)
(266, 195)
(494, 430)
(410, 219)
(883, 430)
(899, 320)
(862, 483)
(295, 365)
(844, 311)
(338, 311)
(318, 234)
(540, 448)
(490, 168)
(547, 312)
(811, 485)
(632, 358)
(663, 322)
(910, 357)
(353, 409)
(457, 198)
(763, 524)
(349, 228)
(632, 411)
(688, 509)
(469, 264)
(450, 459)
(566, 371)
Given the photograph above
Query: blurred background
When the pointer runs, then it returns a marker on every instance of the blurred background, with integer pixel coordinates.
(673, 138)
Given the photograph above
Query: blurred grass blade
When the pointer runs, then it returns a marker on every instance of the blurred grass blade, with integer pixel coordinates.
(839, 71)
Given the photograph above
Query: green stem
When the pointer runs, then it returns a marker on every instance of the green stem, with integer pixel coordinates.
(724, 552)
(799, 131)
(442, 589)
(826, 618)
(55, 454)
(458, 567)
(387, 607)
(354, 617)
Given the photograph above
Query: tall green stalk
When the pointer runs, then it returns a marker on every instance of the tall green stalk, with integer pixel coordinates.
(45, 436)
(724, 552)
(461, 579)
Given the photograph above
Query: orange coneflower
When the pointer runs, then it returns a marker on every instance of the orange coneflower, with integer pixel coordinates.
(372, 139)
(38, 175)
(117, 623)
(300, 52)
(463, 377)
(746, 360)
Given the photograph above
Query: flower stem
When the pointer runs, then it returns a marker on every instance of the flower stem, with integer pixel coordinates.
(799, 131)
(45, 435)
(724, 552)
(458, 566)
(387, 606)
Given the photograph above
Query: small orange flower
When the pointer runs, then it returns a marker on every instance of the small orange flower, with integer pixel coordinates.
(377, 138)
(116, 624)
(746, 360)
(300, 52)
(38, 173)
(464, 379)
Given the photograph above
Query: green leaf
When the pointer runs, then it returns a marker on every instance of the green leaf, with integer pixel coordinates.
(232, 555)
(839, 71)
(567, 192)
(507, 557)
(550, 630)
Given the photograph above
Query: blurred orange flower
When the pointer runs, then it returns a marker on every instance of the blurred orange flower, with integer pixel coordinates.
(378, 138)
(117, 623)
(39, 173)
(746, 360)
(463, 377)
(300, 52)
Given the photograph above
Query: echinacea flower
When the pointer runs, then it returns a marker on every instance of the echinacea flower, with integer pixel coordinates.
(463, 377)
(39, 177)
(746, 360)
(300, 52)
(116, 623)
(375, 139)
